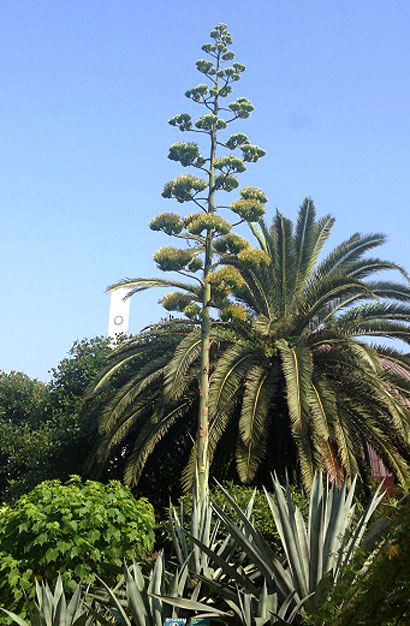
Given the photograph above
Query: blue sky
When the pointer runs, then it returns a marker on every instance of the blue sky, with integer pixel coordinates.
(86, 89)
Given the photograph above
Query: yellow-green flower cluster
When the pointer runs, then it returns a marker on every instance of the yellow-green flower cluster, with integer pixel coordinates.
(192, 310)
(173, 259)
(184, 188)
(175, 301)
(226, 278)
(186, 153)
(198, 222)
(169, 223)
(253, 258)
(254, 193)
(233, 312)
(230, 163)
(230, 244)
(209, 122)
(250, 210)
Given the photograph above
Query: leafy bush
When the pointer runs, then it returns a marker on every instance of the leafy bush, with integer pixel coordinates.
(78, 530)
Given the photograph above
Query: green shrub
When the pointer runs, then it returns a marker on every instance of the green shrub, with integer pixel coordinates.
(77, 529)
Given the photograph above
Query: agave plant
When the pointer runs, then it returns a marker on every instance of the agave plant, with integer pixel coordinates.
(138, 600)
(52, 609)
(313, 552)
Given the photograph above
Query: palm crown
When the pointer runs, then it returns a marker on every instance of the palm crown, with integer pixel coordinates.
(295, 380)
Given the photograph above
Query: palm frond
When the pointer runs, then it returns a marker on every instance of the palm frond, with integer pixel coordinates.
(305, 239)
(341, 257)
(285, 260)
(178, 373)
(252, 423)
(135, 285)
(153, 431)
(297, 371)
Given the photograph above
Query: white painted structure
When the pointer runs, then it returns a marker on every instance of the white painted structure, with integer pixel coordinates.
(119, 316)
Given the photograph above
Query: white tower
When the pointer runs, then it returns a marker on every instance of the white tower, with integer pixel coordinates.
(119, 316)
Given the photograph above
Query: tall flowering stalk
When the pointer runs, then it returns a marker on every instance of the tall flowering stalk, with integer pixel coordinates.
(206, 234)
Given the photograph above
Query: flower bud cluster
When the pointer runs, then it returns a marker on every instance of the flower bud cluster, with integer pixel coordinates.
(183, 121)
(198, 222)
(233, 312)
(168, 223)
(236, 140)
(230, 244)
(170, 259)
(197, 93)
(186, 153)
(252, 153)
(230, 164)
(184, 188)
(226, 182)
(254, 258)
(210, 122)
(242, 107)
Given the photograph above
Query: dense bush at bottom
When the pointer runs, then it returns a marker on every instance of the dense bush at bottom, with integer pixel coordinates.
(81, 530)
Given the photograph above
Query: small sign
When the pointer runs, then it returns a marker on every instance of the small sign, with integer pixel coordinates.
(199, 621)
(177, 621)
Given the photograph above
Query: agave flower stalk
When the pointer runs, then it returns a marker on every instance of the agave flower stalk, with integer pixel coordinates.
(201, 230)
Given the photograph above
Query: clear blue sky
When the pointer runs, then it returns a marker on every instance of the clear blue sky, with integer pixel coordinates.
(86, 89)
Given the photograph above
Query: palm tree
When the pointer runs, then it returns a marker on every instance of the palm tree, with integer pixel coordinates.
(297, 380)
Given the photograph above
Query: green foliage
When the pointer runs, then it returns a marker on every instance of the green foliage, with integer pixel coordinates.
(75, 529)
(22, 399)
(311, 550)
(135, 599)
(52, 438)
(296, 386)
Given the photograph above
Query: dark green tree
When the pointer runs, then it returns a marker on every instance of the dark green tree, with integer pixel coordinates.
(43, 431)
(200, 230)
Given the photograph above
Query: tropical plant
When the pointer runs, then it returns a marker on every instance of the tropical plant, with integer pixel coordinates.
(296, 382)
(313, 552)
(52, 609)
(146, 600)
(201, 230)
(78, 530)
